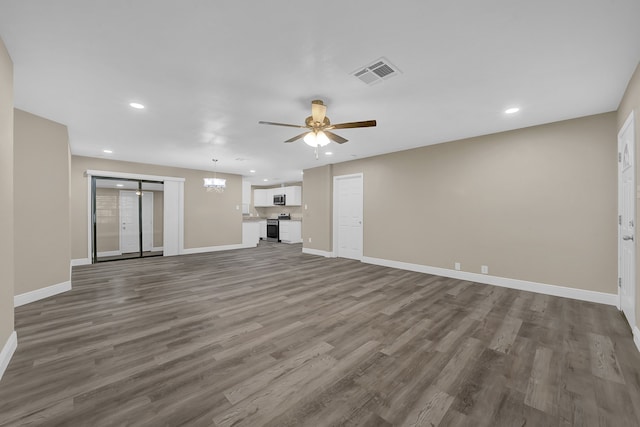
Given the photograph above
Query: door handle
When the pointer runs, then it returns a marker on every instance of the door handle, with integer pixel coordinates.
(629, 237)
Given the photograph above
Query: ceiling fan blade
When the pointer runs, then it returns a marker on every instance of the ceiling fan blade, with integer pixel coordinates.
(335, 138)
(297, 137)
(364, 124)
(282, 124)
(318, 110)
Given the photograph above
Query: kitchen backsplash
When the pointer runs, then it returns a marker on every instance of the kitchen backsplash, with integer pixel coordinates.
(273, 212)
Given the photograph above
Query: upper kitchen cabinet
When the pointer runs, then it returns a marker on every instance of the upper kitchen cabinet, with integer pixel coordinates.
(294, 195)
(262, 197)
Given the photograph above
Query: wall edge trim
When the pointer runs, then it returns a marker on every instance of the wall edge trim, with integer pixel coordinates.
(318, 252)
(127, 175)
(41, 293)
(80, 261)
(523, 285)
(636, 337)
(7, 352)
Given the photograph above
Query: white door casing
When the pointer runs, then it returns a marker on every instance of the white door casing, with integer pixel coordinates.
(348, 216)
(627, 219)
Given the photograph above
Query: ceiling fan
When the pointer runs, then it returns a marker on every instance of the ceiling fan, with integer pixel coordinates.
(319, 128)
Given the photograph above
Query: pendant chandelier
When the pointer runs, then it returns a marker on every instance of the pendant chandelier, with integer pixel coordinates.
(215, 184)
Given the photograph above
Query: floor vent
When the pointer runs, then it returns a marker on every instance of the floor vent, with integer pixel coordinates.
(379, 70)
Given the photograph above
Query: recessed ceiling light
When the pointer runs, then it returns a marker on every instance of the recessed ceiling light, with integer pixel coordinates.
(107, 151)
(512, 110)
(252, 171)
(119, 185)
(328, 153)
(265, 180)
(136, 105)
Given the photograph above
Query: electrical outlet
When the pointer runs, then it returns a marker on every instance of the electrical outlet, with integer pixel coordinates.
(484, 269)
(305, 207)
(457, 266)
(237, 207)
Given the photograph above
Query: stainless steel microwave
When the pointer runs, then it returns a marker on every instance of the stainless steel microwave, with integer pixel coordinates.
(279, 199)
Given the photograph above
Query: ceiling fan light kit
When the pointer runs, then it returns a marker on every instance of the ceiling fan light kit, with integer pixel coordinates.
(316, 139)
(319, 127)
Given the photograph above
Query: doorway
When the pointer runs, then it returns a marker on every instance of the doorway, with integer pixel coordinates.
(627, 220)
(127, 218)
(347, 216)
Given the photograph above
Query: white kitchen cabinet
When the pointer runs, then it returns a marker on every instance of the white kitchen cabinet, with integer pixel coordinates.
(262, 197)
(263, 229)
(250, 233)
(246, 195)
(290, 231)
(294, 195)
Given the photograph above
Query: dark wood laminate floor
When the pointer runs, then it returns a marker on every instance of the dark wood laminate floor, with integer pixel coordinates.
(270, 336)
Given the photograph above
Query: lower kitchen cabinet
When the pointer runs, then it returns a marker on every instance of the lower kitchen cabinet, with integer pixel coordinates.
(250, 233)
(290, 231)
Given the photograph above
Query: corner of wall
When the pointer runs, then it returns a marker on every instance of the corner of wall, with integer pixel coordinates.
(7, 351)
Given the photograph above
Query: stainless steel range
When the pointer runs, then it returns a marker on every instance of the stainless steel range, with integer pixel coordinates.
(273, 230)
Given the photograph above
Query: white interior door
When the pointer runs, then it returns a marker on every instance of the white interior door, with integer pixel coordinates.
(129, 222)
(348, 202)
(627, 219)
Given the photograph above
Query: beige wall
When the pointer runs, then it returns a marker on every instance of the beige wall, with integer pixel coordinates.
(536, 204)
(41, 209)
(317, 219)
(6, 195)
(210, 219)
(631, 102)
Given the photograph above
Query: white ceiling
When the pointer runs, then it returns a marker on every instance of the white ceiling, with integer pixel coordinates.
(208, 71)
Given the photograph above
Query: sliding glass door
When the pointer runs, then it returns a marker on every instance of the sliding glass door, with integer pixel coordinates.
(127, 218)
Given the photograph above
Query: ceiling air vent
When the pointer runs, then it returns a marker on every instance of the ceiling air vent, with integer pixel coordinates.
(381, 69)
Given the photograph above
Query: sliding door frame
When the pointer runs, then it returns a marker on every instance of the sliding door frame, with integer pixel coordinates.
(173, 210)
(94, 222)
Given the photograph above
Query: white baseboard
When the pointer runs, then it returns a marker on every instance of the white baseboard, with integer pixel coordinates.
(109, 253)
(215, 249)
(42, 293)
(80, 261)
(523, 285)
(7, 352)
(157, 248)
(318, 252)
